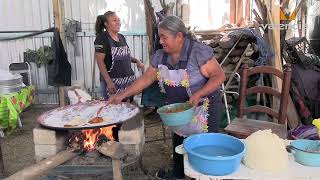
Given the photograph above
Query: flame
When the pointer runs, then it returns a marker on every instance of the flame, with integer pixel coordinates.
(91, 136)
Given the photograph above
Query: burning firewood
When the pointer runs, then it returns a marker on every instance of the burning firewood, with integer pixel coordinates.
(86, 140)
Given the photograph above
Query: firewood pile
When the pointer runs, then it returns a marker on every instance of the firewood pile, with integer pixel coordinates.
(223, 49)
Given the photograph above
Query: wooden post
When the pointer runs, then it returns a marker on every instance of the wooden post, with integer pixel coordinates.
(248, 10)
(116, 151)
(185, 13)
(58, 15)
(233, 11)
(150, 23)
(273, 10)
(239, 12)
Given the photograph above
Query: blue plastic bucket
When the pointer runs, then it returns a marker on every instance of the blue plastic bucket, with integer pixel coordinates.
(306, 152)
(214, 153)
(170, 117)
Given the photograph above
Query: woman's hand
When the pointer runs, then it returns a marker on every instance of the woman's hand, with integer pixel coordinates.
(140, 66)
(194, 99)
(111, 88)
(115, 99)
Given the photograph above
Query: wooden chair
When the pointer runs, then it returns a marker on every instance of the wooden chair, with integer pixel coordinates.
(242, 126)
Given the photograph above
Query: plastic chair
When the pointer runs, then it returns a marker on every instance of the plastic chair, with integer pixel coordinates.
(23, 69)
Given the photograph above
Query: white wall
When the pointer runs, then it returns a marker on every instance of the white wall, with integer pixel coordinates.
(209, 14)
(25, 15)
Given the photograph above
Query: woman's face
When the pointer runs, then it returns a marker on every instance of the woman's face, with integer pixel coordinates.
(171, 43)
(113, 23)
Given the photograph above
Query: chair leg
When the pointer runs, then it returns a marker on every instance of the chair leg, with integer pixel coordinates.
(19, 122)
(226, 104)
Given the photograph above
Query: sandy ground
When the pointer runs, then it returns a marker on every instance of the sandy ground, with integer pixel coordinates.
(18, 147)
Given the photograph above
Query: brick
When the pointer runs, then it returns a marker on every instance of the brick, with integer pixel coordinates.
(42, 136)
(132, 131)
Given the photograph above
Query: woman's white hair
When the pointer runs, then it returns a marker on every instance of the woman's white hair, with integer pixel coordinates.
(174, 25)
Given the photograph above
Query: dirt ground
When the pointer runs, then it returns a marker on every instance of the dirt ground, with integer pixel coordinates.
(18, 147)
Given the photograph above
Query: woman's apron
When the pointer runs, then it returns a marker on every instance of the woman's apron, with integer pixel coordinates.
(120, 70)
(175, 83)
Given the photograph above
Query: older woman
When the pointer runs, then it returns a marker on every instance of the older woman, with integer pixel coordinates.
(186, 71)
(113, 55)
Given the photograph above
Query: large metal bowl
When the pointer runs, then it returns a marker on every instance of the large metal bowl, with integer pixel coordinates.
(51, 120)
(8, 86)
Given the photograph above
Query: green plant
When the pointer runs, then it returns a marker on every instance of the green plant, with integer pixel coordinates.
(40, 56)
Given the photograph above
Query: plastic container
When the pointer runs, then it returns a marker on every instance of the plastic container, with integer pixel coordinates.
(214, 153)
(306, 152)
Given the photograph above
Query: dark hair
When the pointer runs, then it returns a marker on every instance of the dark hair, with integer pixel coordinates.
(101, 19)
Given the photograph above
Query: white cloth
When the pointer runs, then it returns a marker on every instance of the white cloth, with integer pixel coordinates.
(78, 95)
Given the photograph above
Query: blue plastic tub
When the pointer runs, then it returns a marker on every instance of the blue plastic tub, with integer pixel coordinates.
(306, 152)
(214, 153)
(170, 117)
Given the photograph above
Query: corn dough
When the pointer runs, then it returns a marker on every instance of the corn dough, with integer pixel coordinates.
(266, 152)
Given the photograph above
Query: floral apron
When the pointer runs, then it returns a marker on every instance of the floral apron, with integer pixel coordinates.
(120, 71)
(175, 83)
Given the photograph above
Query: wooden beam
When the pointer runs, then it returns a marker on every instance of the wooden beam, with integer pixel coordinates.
(233, 11)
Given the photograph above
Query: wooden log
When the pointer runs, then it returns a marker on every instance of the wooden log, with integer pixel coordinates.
(116, 169)
(112, 149)
(43, 166)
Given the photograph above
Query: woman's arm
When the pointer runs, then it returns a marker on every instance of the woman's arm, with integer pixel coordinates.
(103, 70)
(140, 65)
(137, 86)
(214, 72)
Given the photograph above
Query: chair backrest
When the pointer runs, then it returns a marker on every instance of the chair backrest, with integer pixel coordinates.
(22, 68)
(281, 115)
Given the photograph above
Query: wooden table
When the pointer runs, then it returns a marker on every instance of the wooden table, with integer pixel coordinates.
(294, 171)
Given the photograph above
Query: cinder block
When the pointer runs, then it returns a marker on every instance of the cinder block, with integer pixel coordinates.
(42, 136)
(44, 151)
(132, 131)
(133, 149)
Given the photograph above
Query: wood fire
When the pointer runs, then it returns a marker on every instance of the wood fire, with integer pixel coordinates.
(86, 140)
